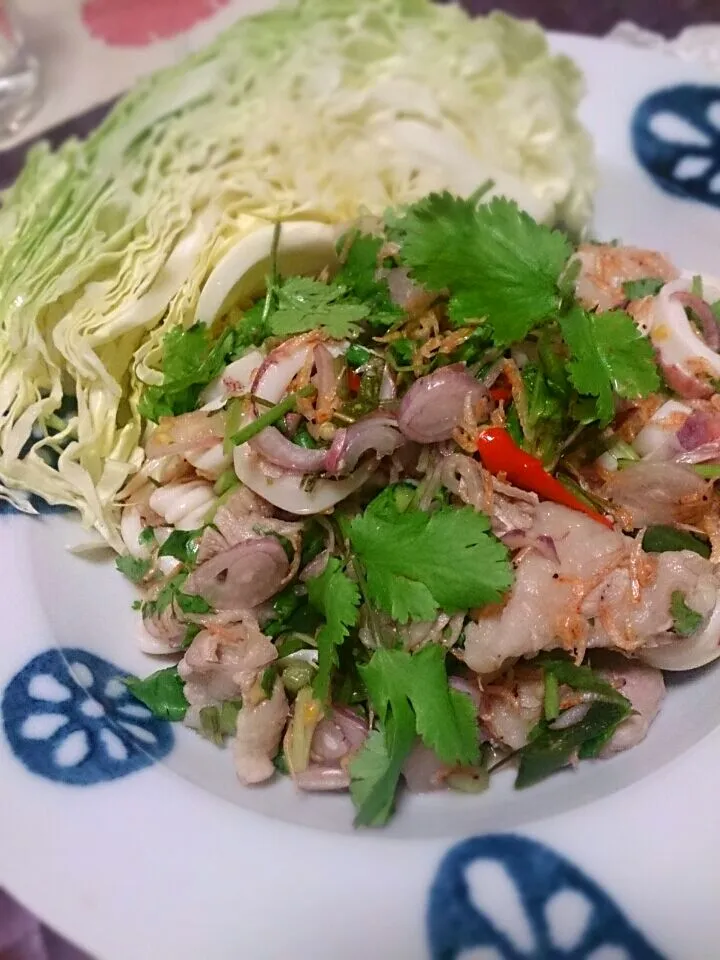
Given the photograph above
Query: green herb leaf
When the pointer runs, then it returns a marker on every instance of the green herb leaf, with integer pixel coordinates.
(646, 287)
(375, 771)
(134, 569)
(685, 620)
(267, 681)
(446, 719)
(417, 563)
(357, 356)
(357, 276)
(191, 359)
(147, 537)
(337, 598)
(161, 692)
(218, 722)
(579, 677)
(550, 750)
(662, 538)
(183, 545)
(270, 416)
(190, 603)
(410, 693)
(496, 261)
(609, 354)
(447, 724)
(551, 699)
(304, 304)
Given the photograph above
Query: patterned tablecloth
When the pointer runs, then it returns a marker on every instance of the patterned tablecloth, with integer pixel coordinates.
(90, 51)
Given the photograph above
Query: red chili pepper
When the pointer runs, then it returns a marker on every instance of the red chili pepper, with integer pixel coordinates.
(353, 379)
(501, 394)
(500, 454)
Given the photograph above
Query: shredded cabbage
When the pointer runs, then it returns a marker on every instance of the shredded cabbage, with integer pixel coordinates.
(310, 111)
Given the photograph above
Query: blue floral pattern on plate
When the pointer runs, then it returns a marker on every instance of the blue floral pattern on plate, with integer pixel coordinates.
(676, 138)
(69, 718)
(504, 897)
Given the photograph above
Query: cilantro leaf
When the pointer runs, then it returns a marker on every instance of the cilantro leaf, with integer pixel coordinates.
(147, 537)
(410, 694)
(418, 562)
(579, 677)
(375, 772)
(183, 545)
(358, 276)
(645, 287)
(549, 750)
(685, 620)
(305, 304)
(162, 693)
(609, 354)
(662, 537)
(134, 569)
(446, 724)
(191, 359)
(495, 260)
(446, 718)
(218, 722)
(335, 596)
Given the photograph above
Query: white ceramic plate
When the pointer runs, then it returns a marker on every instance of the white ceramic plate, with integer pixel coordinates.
(136, 841)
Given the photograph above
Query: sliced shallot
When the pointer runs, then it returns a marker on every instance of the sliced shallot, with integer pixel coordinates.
(434, 405)
(378, 432)
(243, 576)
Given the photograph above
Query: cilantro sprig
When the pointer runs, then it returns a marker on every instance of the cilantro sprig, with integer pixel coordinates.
(495, 260)
(417, 563)
(303, 304)
(337, 598)
(411, 696)
(609, 355)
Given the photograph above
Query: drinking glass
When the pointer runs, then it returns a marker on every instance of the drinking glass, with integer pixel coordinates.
(19, 73)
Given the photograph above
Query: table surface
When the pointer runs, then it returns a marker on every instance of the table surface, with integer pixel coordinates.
(599, 16)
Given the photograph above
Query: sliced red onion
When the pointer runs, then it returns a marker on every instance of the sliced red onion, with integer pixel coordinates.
(328, 742)
(406, 293)
(685, 385)
(280, 366)
(354, 728)
(388, 391)
(322, 776)
(521, 539)
(702, 310)
(325, 379)
(434, 405)
(277, 449)
(571, 716)
(378, 432)
(243, 576)
(468, 686)
(657, 492)
(705, 453)
(292, 423)
(424, 771)
(700, 428)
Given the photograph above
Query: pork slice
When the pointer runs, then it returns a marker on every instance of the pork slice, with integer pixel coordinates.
(258, 733)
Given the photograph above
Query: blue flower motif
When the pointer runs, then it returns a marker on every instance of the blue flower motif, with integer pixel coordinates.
(676, 138)
(505, 897)
(69, 718)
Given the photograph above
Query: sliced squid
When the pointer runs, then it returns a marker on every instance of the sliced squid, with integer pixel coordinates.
(672, 333)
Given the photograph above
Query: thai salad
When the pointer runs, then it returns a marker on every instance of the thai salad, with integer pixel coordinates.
(427, 495)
